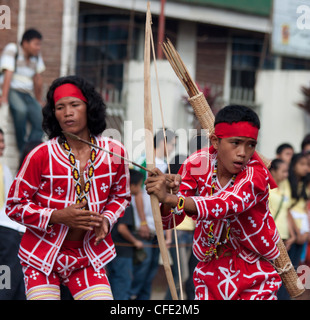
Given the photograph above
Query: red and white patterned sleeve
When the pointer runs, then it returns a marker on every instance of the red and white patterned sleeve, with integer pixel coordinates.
(20, 206)
(187, 188)
(250, 187)
(119, 197)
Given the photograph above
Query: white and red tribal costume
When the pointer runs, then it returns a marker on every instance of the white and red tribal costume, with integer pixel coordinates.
(44, 183)
(242, 270)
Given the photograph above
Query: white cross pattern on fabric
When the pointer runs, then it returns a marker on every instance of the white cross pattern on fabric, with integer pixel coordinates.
(204, 242)
(42, 185)
(99, 274)
(34, 275)
(78, 281)
(59, 191)
(265, 241)
(246, 197)
(254, 225)
(272, 283)
(235, 206)
(118, 188)
(104, 187)
(218, 210)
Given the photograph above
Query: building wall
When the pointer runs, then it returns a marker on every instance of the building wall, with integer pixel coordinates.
(8, 35)
(46, 16)
(277, 93)
(175, 115)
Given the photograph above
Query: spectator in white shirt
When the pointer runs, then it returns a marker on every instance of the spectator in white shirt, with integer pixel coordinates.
(21, 80)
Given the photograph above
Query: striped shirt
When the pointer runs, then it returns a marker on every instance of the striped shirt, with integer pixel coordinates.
(13, 59)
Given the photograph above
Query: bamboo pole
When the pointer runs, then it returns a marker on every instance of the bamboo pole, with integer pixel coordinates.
(150, 156)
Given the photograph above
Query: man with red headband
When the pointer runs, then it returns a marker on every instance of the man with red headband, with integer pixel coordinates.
(69, 195)
(235, 235)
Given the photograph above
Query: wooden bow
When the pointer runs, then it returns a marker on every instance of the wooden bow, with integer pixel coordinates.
(150, 156)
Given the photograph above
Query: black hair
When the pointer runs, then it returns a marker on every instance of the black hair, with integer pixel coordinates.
(31, 34)
(237, 113)
(96, 108)
(160, 136)
(275, 164)
(136, 177)
(283, 146)
(305, 141)
(296, 192)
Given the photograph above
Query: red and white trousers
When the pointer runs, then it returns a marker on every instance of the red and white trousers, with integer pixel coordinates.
(231, 278)
(73, 269)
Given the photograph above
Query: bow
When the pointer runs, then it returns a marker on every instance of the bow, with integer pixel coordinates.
(150, 157)
(168, 164)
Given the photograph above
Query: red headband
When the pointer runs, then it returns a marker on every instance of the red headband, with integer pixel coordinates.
(68, 90)
(242, 129)
(236, 129)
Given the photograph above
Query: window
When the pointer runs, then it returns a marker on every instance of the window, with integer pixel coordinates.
(289, 63)
(103, 39)
(109, 37)
(246, 53)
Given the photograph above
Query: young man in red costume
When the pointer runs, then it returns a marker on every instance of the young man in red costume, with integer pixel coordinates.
(69, 195)
(235, 235)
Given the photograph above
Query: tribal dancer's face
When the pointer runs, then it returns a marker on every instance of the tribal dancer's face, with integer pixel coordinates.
(233, 153)
(71, 114)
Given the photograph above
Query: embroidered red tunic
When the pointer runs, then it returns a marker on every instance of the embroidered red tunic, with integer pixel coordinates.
(244, 206)
(44, 183)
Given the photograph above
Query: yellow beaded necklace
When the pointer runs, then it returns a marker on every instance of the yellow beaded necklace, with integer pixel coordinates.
(81, 195)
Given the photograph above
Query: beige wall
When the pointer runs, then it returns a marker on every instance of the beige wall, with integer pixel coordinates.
(277, 93)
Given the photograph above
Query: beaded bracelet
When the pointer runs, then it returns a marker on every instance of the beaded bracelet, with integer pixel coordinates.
(180, 206)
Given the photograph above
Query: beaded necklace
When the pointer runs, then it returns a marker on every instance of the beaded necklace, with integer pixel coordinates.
(212, 246)
(214, 178)
(81, 195)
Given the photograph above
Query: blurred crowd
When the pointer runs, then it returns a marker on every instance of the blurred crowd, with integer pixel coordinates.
(289, 203)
